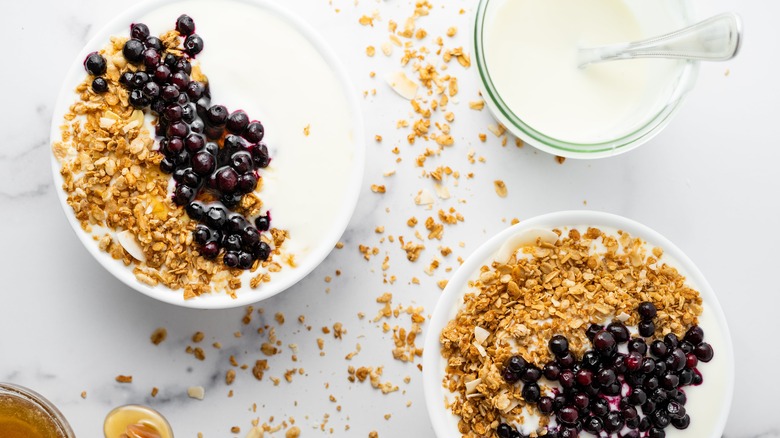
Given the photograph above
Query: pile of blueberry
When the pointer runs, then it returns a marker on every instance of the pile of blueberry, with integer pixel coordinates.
(207, 148)
(608, 393)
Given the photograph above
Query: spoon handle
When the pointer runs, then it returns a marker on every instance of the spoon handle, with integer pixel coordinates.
(714, 39)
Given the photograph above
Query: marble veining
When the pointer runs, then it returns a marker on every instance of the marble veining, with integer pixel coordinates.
(67, 326)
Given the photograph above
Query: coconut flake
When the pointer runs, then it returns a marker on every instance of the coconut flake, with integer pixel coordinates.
(402, 85)
(472, 386)
(196, 392)
(481, 334)
(480, 348)
(130, 244)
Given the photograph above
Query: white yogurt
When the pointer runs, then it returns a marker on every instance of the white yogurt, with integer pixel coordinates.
(531, 56)
(258, 62)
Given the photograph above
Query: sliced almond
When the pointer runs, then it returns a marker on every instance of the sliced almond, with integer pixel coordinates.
(130, 244)
(402, 85)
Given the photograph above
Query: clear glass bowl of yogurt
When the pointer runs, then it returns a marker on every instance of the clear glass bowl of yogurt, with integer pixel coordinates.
(707, 404)
(526, 55)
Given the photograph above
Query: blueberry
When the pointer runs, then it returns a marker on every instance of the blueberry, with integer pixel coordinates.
(606, 377)
(217, 115)
(230, 259)
(566, 361)
(704, 352)
(599, 407)
(191, 179)
(671, 341)
(195, 210)
(531, 392)
(167, 165)
(195, 90)
(262, 251)
(254, 132)
(185, 25)
(231, 200)
(676, 360)
(245, 260)
(584, 377)
(251, 237)
(682, 422)
(694, 335)
(637, 396)
(183, 65)
(203, 163)
(213, 132)
(139, 31)
(232, 242)
(637, 344)
(592, 330)
(183, 195)
(633, 361)
(210, 250)
(591, 360)
(99, 85)
(604, 343)
(509, 376)
(647, 310)
(567, 378)
(138, 99)
(181, 80)
(140, 78)
(558, 345)
(188, 115)
(153, 42)
(216, 217)
(646, 328)
(263, 223)
(235, 223)
(613, 422)
(177, 129)
(169, 93)
(568, 415)
(170, 60)
(531, 374)
(133, 51)
(201, 235)
(619, 332)
(95, 64)
(227, 180)
(151, 58)
(151, 90)
(193, 44)
(126, 79)
(237, 122)
(593, 425)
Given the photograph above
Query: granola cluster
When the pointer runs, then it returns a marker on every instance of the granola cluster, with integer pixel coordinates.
(111, 175)
(555, 287)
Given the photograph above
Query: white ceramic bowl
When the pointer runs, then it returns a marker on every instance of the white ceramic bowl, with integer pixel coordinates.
(345, 201)
(719, 372)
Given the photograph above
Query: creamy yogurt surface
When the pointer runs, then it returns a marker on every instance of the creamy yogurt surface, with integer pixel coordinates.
(531, 48)
(258, 62)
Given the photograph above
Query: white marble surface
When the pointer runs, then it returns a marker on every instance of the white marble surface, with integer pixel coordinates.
(708, 182)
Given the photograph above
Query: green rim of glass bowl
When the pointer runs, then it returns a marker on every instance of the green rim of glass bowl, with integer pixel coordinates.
(576, 150)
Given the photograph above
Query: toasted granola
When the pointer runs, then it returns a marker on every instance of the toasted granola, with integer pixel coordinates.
(110, 170)
(546, 289)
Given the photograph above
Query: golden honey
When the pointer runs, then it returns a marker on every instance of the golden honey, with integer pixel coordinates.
(25, 414)
(135, 421)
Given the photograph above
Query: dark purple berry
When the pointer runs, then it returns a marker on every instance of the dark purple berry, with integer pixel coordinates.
(568, 415)
(210, 250)
(195, 90)
(183, 195)
(704, 352)
(558, 345)
(686, 377)
(139, 31)
(581, 401)
(213, 132)
(567, 378)
(181, 80)
(241, 161)
(194, 142)
(262, 251)
(619, 332)
(133, 51)
(251, 237)
(169, 93)
(591, 360)
(613, 422)
(676, 360)
(151, 58)
(140, 78)
(593, 425)
(260, 155)
(99, 85)
(604, 343)
(531, 374)
(691, 361)
(188, 115)
(639, 345)
(647, 310)
(599, 407)
(227, 180)
(646, 328)
(659, 349)
(217, 115)
(201, 235)
(183, 65)
(592, 330)
(138, 99)
(153, 42)
(694, 335)
(230, 259)
(95, 64)
(126, 79)
(697, 378)
(231, 200)
(584, 377)
(551, 371)
(237, 122)
(660, 418)
(648, 365)
(682, 422)
(633, 361)
(203, 163)
(567, 360)
(185, 25)
(232, 242)
(254, 132)
(606, 377)
(509, 376)
(170, 60)
(177, 129)
(193, 44)
(167, 165)
(263, 223)
(195, 210)
(172, 113)
(191, 179)
(671, 341)
(531, 392)
(216, 217)
(545, 405)
(151, 90)
(637, 397)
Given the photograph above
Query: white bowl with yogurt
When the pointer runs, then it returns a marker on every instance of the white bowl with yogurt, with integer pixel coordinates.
(708, 404)
(526, 52)
(314, 126)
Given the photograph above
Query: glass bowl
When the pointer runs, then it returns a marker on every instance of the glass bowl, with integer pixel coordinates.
(632, 137)
(42, 409)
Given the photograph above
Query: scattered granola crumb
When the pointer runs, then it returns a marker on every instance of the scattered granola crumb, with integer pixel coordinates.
(378, 188)
(560, 159)
(159, 335)
(196, 392)
(84, 394)
(370, 50)
(124, 379)
(500, 187)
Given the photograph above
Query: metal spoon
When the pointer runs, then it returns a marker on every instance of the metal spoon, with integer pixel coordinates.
(715, 39)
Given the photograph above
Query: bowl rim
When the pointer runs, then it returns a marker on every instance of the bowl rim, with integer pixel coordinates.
(245, 296)
(501, 111)
(27, 394)
(451, 299)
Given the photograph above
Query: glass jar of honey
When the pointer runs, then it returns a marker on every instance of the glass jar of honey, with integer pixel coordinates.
(26, 414)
